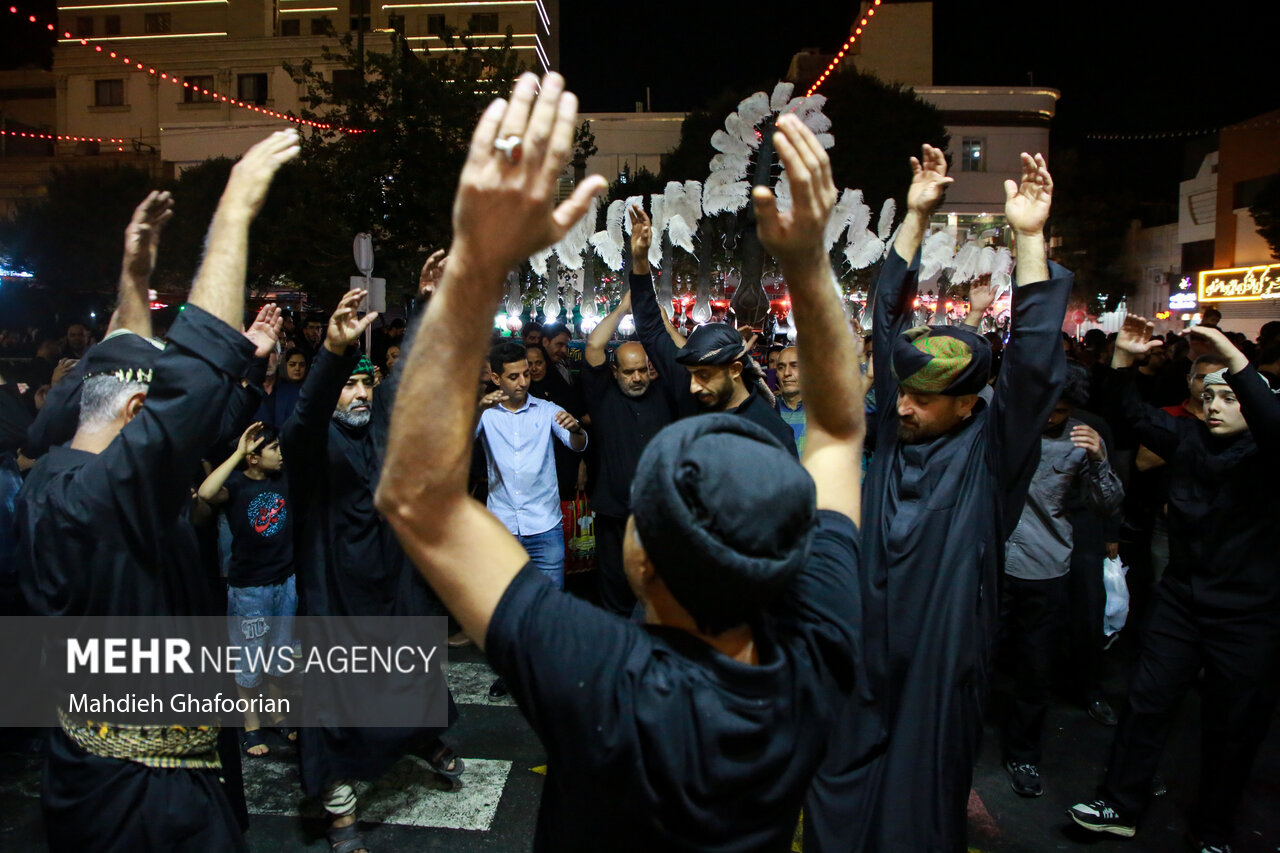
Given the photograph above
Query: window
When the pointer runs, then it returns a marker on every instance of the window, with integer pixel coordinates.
(157, 22)
(84, 26)
(108, 93)
(361, 22)
(112, 27)
(484, 23)
(973, 154)
(291, 27)
(435, 25)
(320, 26)
(346, 84)
(252, 88)
(193, 90)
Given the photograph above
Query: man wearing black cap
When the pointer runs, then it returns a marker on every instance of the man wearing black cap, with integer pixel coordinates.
(699, 730)
(713, 371)
(348, 561)
(104, 532)
(945, 489)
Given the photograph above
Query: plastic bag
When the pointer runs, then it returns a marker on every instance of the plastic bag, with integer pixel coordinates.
(1117, 611)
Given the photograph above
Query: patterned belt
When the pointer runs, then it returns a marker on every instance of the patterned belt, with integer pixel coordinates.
(154, 746)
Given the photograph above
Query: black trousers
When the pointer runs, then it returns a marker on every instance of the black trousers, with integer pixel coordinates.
(1088, 606)
(1033, 613)
(615, 592)
(1240, 655)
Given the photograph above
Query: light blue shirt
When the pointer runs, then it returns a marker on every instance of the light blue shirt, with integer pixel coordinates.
(523, 492)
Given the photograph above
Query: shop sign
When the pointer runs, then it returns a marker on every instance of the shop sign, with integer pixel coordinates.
(1243, 284)
(1182, 301)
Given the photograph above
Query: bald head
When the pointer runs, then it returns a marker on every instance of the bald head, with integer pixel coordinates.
(631, 369)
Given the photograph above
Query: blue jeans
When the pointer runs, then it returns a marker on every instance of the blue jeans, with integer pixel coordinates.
(259, 619)
(546, 552)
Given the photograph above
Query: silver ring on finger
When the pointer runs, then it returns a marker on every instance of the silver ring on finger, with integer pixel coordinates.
(512, 147)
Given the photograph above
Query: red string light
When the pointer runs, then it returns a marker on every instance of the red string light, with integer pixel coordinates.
(822, 78)
(138, 66)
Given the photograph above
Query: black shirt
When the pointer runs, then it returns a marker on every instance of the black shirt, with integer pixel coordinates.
(261, 530)
(757, 410)
(621, 427)
(657, 742)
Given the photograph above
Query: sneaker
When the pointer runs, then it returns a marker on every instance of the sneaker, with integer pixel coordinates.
(1102, 816)
(1100, 710)
(1215, 848)
(1024, 779)
(498, 689)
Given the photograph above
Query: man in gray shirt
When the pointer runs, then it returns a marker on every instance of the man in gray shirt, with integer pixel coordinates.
(1037, 561)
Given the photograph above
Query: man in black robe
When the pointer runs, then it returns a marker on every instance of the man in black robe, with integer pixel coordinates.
(104, 532)
(349, 562)
(700, 729)
(945, 489)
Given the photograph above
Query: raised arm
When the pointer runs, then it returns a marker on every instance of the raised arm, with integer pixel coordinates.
(211, 490)
(980, 299)
(650, 328)
(389, 388)
(1258, 404)
(329, 372)
(504, 212)
(1034, 366)
(141, 241)
(829, 376)
(1155, 428)
(219, 285)
(601, 334)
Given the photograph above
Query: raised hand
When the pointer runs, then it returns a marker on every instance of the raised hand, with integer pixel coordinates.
(1221, 344)
(491, 399)
(929, 181)
(248, 437)
(431, 273)
(264, 331)
(797, 237)
(346, 326)
(980, 296)
(749, 337)
(1088, 438)
(142, 236)
(1026, 205)
(568, 421)
(251, 176)
(1135, 336)
(505, 207)
(641, 233)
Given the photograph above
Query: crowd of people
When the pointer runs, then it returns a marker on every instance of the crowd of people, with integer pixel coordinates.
(939, 500)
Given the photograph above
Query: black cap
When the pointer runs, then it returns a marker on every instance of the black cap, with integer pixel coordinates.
(712, 343)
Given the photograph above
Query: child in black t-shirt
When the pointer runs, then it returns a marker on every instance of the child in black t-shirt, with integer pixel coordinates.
(261, 597)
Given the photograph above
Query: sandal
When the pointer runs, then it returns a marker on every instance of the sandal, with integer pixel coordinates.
(286, 732)
(345, 839)
(257, 737)
(445, 763)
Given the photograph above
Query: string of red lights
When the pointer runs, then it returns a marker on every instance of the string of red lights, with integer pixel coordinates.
(857, 31)
(134, 65)
(17, 134)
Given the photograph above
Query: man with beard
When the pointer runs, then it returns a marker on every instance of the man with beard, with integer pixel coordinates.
(944, 491)
(348, 561)
(713, 372)
(626, 411)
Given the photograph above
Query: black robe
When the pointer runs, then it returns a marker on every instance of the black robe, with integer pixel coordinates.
(935, 517)
(349, 562)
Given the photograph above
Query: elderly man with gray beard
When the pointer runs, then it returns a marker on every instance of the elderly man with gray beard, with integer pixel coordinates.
(626, 411)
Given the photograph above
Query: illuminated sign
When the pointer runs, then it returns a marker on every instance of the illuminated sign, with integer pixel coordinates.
(1244, 284)
(1182, 301)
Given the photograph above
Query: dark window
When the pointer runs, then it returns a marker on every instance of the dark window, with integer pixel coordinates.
(252, 88)
(108, 93)
(973, 154)
(361, 22)
(112, 27)
(346, 84)
(291, 26)
(157, 22)
(197, 88)
(484, 23)
(320, 26)
(84, 26)
(435, 25)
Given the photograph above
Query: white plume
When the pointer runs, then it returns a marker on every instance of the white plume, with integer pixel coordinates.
(818, 122)
(743, 131)
(986, 262)
(826, 140)
(539, 263)
(608, 251)
(680, 233)
(863, 248)
(725, 199)
(726, 143)
(1003, 264)
(658, 206)
(840, 216)
(782, 190)
(716, 180)
(691, 210)
(632, 201)
(859, 214)
(966, 263)
(613, 218)
(751, 110)
(571, 248)
(781, 94)
(735, 163)
(887, 211)
(936, 254)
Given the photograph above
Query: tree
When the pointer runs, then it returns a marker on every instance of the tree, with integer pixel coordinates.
(1266, 214)
(584, 148)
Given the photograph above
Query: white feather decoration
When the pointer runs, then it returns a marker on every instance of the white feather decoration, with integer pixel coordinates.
(716, 180)
(818, 122)
(743, 131)
(781, 94)
(936, 254)
(658, 205)
(691, 210)
(826, 140)
(840, 216)
(965, 265)
(1003, 264)
(782, 190)
(752, 109)
(613, 219)
(574, 243)
(632, 201)
(680, 233)
(735, 163)
(863, 248)
(860, 214)
(986, 262)
(725, 199)
(608, 251)
(726, 143)
(887, 212)
(539, 263)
